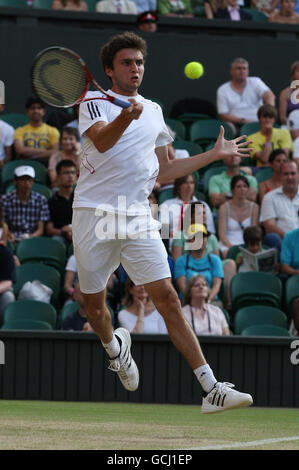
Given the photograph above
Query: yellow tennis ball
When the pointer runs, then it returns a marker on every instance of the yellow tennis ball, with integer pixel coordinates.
(194, 70)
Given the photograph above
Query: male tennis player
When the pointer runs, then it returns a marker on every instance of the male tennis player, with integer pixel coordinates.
(124, 152)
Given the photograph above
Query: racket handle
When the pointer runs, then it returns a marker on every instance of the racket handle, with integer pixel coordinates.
(121, 103)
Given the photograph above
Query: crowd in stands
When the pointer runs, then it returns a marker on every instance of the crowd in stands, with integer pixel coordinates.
(240, 207)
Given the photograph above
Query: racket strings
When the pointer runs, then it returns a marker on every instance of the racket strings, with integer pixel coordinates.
(58, 78)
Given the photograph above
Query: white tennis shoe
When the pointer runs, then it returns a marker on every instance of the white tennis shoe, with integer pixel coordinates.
(124, 365)
(222, 397)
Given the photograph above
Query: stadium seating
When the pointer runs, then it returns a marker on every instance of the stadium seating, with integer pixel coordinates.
(250, 128)
(207, 130)
(256, 15)
(191, 147)
(29, 310)
(258, 315)
(177, 126)
(265, 330)
(43, 4)
(291, 292)
(7, 176)
(26, 325)
(254, 288)
(213, 170)
(45, 274)
(15, 119)
(13, 3)
(264, 174)
(42, 250)
(67, 310)
(37, 187)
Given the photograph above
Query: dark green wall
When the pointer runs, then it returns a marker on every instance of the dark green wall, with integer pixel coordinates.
(270, 50)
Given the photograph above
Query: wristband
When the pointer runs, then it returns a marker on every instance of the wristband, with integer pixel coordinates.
(268, 144)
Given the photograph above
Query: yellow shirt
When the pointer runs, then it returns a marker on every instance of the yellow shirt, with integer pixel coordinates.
(281, 139)
(42, 137)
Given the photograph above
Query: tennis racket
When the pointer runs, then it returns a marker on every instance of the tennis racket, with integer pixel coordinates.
(60, 78)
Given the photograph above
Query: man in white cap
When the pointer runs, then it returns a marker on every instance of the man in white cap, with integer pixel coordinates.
(25, 211)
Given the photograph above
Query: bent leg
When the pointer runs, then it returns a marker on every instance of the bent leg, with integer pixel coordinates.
(168, 305)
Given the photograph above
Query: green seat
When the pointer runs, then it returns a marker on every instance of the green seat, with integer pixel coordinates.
(42, 250)
(68, 309)
(21, 310)
(41, 272)
(259, 315)
(164, 195)
(177, 126)
(264, 174)
(47, 4)
(26, 325)
(191, 147)
(207, 130)
(189, 118)
(70, 250)
(7, 176)
(265, 330)
(37, 187)
(200, 12)
(250, 128)
(233, 252)
(13, 3)
(15, 119)
(291, 292)
(256, 15)
(213, 170)
(255, 288)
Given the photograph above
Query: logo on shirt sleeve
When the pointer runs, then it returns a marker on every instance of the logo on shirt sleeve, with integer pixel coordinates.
(93, 110)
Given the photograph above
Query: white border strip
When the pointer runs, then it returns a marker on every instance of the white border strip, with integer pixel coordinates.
(247, 444)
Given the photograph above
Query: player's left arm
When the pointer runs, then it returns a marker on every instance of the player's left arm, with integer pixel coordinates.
(172, 169)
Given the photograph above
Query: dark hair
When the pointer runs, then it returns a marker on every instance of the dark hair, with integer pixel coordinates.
(178, 182)
(253, 234)
(1, 215)
(70, 131)
(274, 154)
(267, 110)
(236, 179)
(127, 40)
(34, 100)
(64, 164)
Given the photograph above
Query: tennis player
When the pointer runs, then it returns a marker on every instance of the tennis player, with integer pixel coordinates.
(124, 152)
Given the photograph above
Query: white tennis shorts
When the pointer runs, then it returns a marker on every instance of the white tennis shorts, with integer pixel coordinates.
(144, 259)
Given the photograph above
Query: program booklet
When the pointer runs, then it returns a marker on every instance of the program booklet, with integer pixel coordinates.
(265, 260)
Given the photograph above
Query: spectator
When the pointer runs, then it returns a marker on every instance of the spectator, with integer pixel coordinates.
(147, 21)
(203, 317)
(280, 207)
(175, 8)
(286, 14)
(3, 229)
(60, 224)
(289, 104)
(144, 6)
(25, 211)
(7, 278)
(70, 150)
(117, 6)
(6, 140)
(71, 5)
(277, 157)
(77, 321)
(235, 215)
(266, 6)
(268, 138)
(139, 314)
(253, 238)
(211, 6)
(36, 140)
(232, 11)
(197, 261)
(174, 208)
(289, 260)
(239, 99)
(219, 185)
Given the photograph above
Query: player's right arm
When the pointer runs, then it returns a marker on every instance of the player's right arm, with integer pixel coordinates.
(104, 136)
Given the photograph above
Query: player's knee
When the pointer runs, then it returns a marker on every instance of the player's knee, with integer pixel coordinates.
(169, 304)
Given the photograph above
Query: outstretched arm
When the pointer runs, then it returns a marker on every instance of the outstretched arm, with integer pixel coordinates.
(172, 169)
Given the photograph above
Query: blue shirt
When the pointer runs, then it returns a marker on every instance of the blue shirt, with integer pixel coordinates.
(209, 266)
(145, 5)
(290, 249)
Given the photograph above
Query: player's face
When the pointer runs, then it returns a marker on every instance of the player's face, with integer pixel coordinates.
(127, 72)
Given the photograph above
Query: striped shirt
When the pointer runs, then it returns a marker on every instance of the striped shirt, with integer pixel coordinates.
(23, 217)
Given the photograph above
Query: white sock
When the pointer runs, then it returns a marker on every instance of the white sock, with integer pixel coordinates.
(205, 377)
(112, 348)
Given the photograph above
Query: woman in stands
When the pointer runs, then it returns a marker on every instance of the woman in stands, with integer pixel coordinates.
(71, 5)
(277, 157)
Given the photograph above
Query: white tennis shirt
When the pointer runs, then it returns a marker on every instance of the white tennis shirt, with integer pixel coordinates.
(130, 168)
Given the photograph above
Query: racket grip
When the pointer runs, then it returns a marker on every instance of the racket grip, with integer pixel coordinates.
(121, 103)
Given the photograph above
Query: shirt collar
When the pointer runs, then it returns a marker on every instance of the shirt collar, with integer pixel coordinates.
(236, 8)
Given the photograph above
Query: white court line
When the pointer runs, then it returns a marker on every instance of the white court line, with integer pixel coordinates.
(247, 444)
